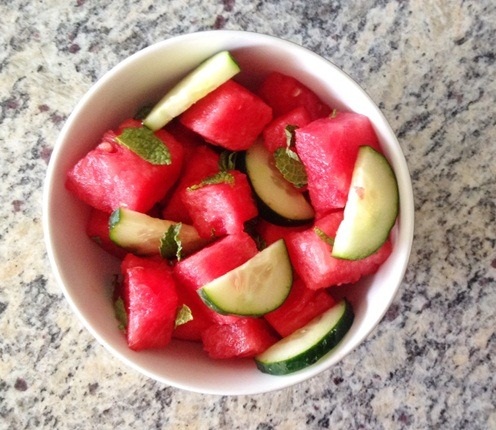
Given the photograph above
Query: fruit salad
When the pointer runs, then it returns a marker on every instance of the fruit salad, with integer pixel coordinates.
(235, 212)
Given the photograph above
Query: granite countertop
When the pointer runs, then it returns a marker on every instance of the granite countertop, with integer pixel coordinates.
(431, 363)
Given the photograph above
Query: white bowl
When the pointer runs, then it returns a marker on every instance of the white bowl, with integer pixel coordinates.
(85, 272)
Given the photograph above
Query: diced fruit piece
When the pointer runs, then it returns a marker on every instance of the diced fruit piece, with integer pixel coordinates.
(142, 234)
(278, 201)
(150, 300)
(215, 260)
(258, 286)
(371, 208)
(311, 257)
(301, 306)
(328, 148)
(274, 134)
(196, 85)
(111, 175)
(193, 329)
(97, 229)
(231, 117)
(284, 93)
(309, 344)
(246, 337)
(271, 233)
(212, 262)
(202, 163)
(220, 204)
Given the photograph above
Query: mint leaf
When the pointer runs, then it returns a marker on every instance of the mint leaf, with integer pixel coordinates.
(120, 313)
(288, 162)
(290, 166)
(183, 315)
(218, 178)
(170, 243)
(324, 236)
(143, 142)
(227, 161)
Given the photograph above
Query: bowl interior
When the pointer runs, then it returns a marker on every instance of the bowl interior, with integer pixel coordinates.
(85, 272)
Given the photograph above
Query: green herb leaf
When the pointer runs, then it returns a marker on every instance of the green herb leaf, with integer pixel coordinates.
(218, 178)
(170, 243)
(324, 236)
(290, 166)
(288, 162)
(143, 142)
(120, 313)
(227, 160)
(183, 315)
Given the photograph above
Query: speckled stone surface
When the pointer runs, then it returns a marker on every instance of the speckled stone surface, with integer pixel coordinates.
(431, 363)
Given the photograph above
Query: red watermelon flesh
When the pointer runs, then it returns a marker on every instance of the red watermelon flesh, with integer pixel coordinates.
(271, 233)
(274, 134)
(193, 329)
(151, 302)
(312, 260)
(111, 175)
(328, 148)
(211, 262)
(202, 163)
(283, 93)
(246, 337)
(97, 229)
(189, 140)
(301, 306)
(230, 116)
(221, 208)
(215, 260)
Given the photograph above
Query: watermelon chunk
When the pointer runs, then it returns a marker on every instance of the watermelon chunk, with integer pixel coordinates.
(301, 306)
(312, 260)
(211, 262)
(97, 228)
(111, 175)
(246, 337)
(202, 163)
(221, 208)
(283, 93)
(151, 302)
(328, 148)
(274, 134)
(193, 329)
(230, 116)
(271, 233)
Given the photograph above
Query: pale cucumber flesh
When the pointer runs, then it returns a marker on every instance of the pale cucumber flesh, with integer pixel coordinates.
(282, 203)
(371, 208)
(255, 288)
(201, 81)
(141, 234)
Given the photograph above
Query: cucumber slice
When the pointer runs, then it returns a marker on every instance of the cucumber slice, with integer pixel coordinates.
(308, 344)
(204, 79)
(141, 234)
(256, 287)
(279, 202)
(371, 208)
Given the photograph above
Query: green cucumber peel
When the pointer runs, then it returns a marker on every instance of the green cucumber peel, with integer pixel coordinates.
(144, 143)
